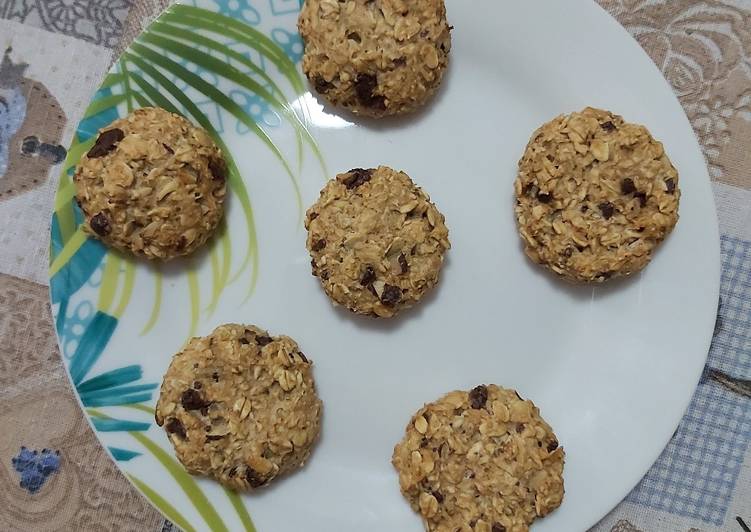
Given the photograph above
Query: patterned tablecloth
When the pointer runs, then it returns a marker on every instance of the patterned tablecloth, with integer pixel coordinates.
(55, 52)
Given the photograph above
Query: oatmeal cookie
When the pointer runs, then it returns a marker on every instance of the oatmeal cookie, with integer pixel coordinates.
(595, 196)
(480, 461)
(240, 406)
(152, 185)
(376, 240)
(375, 57)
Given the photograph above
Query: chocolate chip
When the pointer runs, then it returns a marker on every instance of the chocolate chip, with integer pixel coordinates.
(218, 169)
(197, 385)
(399, 61)
(498, 527)
(438, 496)
(424, 442)
(568, 252)
(100, 224)
(627, 186)
(182, 242)
(192, 400)
(368, 276)
(365, 85)
(312, 216)
(354, 36)
(552, 446)
(175, 426)
(356, 177)
(321, 85)
(248, 336)
(214, 437)
(520, 428)
(642, 196)
(478, 397)
(263, 340)
(215, 376)
(584, 208)
(403, 263)
(318, 245)
(170, 150)
(391, 295)
(544, 198)
(608, 126)
(254, 479)
(607, 209)
(670, 184)
(105, 143)
(302, 355)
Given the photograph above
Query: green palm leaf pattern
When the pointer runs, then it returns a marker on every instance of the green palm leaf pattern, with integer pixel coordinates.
(142, 78)
(159, 69)
(160, 502)
(187, 484)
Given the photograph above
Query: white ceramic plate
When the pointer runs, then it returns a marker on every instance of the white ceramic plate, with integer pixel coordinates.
(611, 367)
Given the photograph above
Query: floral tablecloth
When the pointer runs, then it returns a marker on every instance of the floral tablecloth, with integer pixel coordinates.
(53, 473)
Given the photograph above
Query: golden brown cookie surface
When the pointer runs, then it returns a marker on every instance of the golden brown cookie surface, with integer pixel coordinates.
(240, 406)
(375, 57)
(480, 461)
(152, 185)
(595, 196)
(376, 241)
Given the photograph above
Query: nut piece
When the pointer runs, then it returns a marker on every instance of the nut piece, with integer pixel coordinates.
(480, 460)
(240, 406)
(595, 196)
(152, 185)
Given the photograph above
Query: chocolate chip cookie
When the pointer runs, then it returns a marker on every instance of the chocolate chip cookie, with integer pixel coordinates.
(376, 240)
(595, 195)
(240, 406)
(152, 185)
(375, 57)
(480, 461)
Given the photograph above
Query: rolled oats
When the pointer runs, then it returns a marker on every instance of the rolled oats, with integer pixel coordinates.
(486, 461)
(240, 406)
(371, 254)
(375, 57)
(152, 185)
(595, 196)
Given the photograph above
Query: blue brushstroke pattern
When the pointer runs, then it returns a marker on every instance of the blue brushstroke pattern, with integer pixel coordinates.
(118, 401)
(71, 277)
(122, 455)
(113, 394)
(92, 343)
(110, 379)
(88, 127)
(115, 425)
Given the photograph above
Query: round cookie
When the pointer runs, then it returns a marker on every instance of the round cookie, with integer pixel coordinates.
(375, 57)
(376, 240)
(152, 185)
(480, 461)
(240, 406)
(595, 196)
